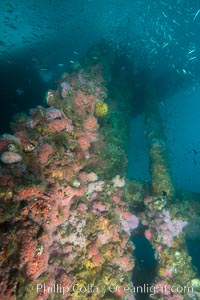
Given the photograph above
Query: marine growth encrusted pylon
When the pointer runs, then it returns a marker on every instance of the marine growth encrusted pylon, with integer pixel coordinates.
(65, 227)
(176, 278)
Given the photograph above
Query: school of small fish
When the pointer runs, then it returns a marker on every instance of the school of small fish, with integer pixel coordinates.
(147, 32)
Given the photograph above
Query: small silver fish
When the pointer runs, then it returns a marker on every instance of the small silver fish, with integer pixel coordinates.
(196, 15)
(164, 14)
(192, 58)
(165, 45)
(162, 104)
(191, 51)
(34, 59)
